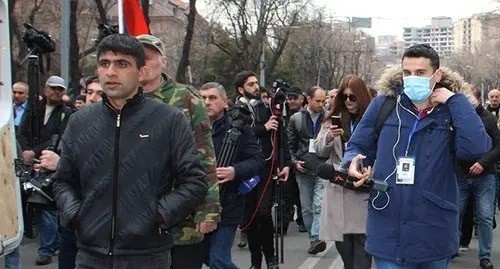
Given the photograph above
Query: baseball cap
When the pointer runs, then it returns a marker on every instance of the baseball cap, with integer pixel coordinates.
(294, 91)
(152, 41)
(56, 81)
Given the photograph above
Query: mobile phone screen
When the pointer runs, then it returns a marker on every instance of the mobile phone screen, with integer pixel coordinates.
(336, 121)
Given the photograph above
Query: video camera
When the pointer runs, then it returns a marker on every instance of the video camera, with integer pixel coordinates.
(104, 31)
(38, 41)
(278, 102)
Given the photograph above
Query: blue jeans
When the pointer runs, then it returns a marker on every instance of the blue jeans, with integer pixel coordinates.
(67, 249)
(217, 246)
(483, 190)
(12, 259)
(384, 264)
(311, 196)
(49, 235)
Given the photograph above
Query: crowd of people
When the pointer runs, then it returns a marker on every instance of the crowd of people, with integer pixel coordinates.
(424, 134)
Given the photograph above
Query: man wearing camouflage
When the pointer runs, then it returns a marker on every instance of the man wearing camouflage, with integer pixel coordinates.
(188, 235)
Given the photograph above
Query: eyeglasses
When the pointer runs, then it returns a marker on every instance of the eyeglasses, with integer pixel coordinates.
(351, 97)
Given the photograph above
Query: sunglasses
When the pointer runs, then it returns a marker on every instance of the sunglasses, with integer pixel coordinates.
(351, 97)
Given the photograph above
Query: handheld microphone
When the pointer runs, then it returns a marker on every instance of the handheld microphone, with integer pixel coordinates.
(328, 172)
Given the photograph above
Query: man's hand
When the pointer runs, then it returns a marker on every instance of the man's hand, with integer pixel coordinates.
(48, 161)
(28, 156)
(358, 171)
(476, 169)
(271, 124)
(225, 174)
(283, 175)
(206, 227)
(299, 165)
(441, 95)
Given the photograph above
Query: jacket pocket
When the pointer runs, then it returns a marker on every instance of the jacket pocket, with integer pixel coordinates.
(438, 201)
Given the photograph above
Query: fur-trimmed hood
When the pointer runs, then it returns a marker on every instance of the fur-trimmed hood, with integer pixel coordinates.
(391, 82)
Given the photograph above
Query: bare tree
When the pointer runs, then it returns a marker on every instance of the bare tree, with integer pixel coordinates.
(184, 62)
(249, 22)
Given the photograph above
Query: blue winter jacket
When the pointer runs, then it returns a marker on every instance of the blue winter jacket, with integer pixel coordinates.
(420, 222)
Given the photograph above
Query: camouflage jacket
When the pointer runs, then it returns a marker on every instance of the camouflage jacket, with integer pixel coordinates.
(187, 99)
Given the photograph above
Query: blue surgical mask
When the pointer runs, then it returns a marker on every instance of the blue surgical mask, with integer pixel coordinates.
(417, 88)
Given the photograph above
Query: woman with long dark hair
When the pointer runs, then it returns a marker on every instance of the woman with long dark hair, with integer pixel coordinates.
(343, 217)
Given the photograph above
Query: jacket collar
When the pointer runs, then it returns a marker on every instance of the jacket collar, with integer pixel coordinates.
(134, 101)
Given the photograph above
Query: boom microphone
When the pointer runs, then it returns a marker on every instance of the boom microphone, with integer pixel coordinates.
(328, 172)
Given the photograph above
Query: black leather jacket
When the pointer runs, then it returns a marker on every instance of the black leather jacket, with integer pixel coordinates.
(116, 176)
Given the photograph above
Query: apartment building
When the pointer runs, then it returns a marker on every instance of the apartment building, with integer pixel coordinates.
(438, 35)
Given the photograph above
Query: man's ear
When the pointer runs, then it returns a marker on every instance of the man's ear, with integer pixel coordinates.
(164, 61)
(143, 71)
(438, 75)
(241, 90)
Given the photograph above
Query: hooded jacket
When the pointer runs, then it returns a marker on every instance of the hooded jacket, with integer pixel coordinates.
(419, 222)
(125, 177)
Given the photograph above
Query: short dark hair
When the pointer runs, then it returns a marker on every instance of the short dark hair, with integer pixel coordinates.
(90, 80)
(241, 78)
(123, 44)
(80, 98)
(423, 50)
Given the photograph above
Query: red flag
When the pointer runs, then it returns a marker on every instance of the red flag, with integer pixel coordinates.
(135, 23)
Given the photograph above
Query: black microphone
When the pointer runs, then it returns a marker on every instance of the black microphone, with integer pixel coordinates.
(328, 172)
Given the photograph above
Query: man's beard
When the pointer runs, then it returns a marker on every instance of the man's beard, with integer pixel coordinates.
(250, 96)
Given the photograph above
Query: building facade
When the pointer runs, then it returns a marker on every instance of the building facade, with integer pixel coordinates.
(438, 35)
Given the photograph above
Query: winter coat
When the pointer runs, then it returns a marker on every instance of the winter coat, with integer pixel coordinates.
(125, 177)
(420, 222)
(343, 211)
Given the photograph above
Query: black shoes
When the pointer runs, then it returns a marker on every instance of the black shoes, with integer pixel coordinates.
(316, 247)
(486, 264)
(43, 260)
(301, 228)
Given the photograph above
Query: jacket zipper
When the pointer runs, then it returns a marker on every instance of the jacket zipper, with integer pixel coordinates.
(115, 184)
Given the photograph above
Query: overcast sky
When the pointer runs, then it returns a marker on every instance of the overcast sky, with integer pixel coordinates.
(390, 16)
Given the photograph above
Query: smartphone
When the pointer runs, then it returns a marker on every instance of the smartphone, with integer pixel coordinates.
(336, 121)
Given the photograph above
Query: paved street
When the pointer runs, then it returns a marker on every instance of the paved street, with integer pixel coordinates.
(295, 255)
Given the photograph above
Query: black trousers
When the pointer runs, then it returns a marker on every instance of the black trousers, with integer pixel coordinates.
(467, 224)
(187, 256)
(352, 251)
(260, 231)
(291, 197)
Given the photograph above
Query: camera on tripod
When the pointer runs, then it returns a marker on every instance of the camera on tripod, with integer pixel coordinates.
(278, 102)
(38, 41)
(104, 31)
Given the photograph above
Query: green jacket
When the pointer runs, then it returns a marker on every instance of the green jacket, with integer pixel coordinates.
(187, 99)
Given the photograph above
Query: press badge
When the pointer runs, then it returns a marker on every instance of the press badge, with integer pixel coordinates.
(311, 146)
(406, 171)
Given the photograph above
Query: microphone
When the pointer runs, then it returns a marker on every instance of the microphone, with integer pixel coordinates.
(328, 172)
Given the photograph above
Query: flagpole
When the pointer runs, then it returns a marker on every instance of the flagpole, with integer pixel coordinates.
(121, 21)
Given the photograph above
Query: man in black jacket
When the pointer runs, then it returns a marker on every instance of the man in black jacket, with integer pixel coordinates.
(477, 180)
(121, 203)
(50, 117)
(248, 161)
(258, 222)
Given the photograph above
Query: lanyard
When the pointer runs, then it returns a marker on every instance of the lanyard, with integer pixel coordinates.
(314, 126)
(412, 132)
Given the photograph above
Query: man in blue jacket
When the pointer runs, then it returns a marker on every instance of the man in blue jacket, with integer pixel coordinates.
(247, 163)
(415, 223)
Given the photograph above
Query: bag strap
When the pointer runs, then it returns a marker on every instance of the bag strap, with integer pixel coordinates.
(385, 111)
